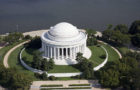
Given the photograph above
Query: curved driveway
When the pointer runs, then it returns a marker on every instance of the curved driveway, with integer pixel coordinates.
(5, 60)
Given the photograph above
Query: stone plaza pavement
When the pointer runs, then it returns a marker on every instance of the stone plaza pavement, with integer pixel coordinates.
(95, 86)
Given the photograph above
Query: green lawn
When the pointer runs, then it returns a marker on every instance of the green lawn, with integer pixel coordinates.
(14, 62)
(123, 50)
(57, 68)
(96, 53)
(63, 69)
(113, 55)
(7, 48)
(95, 58)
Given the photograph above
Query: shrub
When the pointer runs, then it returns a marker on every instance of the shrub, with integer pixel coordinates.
(103, 56)
(54, 85)
(52, 78)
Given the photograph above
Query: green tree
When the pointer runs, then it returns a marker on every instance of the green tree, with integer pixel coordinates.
(135, 27)
(35, 43)
(79, 57)
(45, 65)
(27, 37)
(109, 27)
(13, 37)
(44, 76)
(20, 80)
(136, 40)
(37, 60)
(122, 28)
(107, 34)
(51, 63)
(109, 78)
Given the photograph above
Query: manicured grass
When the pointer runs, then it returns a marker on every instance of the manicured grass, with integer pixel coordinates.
(123, 50)
(4, 50)
(113, 55)
(57, 68)
(55, 85)
(63, 69)
(95, 58)
(13, 61)
(97, 51)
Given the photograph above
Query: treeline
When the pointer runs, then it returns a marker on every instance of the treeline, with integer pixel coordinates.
(13, 37)
(123, 73)
(121, 35)
(13, 79)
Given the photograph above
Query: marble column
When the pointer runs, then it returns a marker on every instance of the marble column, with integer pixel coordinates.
(62, 53)
(70, 53)
(66, 52)
(51, 52)
(54, 53)
(58, 53)
(46, 48)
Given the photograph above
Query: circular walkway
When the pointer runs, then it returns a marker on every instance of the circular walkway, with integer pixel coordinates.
(5, 60)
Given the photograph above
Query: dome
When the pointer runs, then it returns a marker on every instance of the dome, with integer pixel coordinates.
(64, 29)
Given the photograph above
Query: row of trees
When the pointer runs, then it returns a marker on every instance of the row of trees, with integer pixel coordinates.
(117, 35)
(121, 35)
(12, 79)
(15, 37)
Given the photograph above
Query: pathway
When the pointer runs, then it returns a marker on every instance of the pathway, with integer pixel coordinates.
(5, 60)
(36, 84)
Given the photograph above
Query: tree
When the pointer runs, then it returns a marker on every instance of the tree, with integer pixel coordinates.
(109, 78)
(20, 80)
(13, 37)
(27, 37)
(90, 32)
(52, 78)
(79, 57)
(44, 76)
(45, 65)
(51, 63)
(91, 41)
(35, 43)
(37, 60)
(122, 28)
(135, 27)
(120, 73)
(120, 38)
(109, 27)
(136, 40)
(107, 34)
(1, 39)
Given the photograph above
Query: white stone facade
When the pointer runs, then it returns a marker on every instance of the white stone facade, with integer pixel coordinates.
(62, 42)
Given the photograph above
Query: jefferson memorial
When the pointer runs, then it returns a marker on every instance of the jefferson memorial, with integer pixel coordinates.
(62, 42)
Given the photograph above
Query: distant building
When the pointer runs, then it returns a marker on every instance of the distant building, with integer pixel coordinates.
(62, 42)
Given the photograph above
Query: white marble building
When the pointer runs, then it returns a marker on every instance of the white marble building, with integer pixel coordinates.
(62, 42)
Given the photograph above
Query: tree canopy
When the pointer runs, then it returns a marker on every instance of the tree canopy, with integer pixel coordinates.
(135, 27)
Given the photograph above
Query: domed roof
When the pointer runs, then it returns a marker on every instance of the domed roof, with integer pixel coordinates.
(64, 29)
